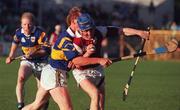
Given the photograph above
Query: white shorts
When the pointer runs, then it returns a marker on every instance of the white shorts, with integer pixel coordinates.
(95, 75)
(36, 67)
(52, 78)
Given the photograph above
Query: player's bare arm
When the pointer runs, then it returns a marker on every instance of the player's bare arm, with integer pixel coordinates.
(39, 53)
(83, 61)
(131, 31)
(89, 50)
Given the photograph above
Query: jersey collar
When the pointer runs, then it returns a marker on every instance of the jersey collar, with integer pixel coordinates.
(78, 34)
(70, 32)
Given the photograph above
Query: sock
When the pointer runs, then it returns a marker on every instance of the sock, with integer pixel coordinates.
(20, 105)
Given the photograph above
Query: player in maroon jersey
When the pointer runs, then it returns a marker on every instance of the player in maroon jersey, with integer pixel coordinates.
(91, 78)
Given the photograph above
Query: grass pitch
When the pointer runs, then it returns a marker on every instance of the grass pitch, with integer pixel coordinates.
(155, 86)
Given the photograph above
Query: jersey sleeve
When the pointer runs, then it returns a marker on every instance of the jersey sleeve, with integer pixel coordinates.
(43, 41)
(103, 30)
(16, 39)
(77, 44)
(42, 38)
(69, 49)
(109, 31)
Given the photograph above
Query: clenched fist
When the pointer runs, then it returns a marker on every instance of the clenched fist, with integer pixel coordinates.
(105, 62)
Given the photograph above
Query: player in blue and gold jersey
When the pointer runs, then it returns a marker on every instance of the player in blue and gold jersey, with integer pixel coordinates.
(53, 76)
(35, 53)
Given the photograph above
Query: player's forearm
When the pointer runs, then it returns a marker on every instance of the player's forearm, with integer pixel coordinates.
(83, 61)
(140, 33)
(13, 50)
(39, 53)
(87, 54)
(130, 31)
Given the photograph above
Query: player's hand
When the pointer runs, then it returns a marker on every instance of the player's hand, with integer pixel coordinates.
(28, 56)
(105, 62)
(8, 60)
(71, 65)
(144, 34)
(90, 49)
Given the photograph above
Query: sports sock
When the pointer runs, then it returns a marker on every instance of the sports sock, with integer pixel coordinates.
(20, 105)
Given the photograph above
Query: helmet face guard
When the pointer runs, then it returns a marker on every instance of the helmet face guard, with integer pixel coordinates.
(85, 22)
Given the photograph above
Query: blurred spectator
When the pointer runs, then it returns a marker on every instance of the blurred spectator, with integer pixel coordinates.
(152, 8)
(55, 34)
(173, 26)
(122, 14)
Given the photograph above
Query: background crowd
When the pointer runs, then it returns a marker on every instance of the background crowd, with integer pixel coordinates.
(122, 14)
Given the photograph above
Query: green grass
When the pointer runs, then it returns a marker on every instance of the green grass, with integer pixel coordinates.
(155, 86)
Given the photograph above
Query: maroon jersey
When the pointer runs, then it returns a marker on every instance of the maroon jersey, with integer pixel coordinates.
(100, 33)
(81, 44)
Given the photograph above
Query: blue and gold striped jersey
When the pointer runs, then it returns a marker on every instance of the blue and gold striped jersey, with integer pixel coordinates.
(63, 51)
(32, 42)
